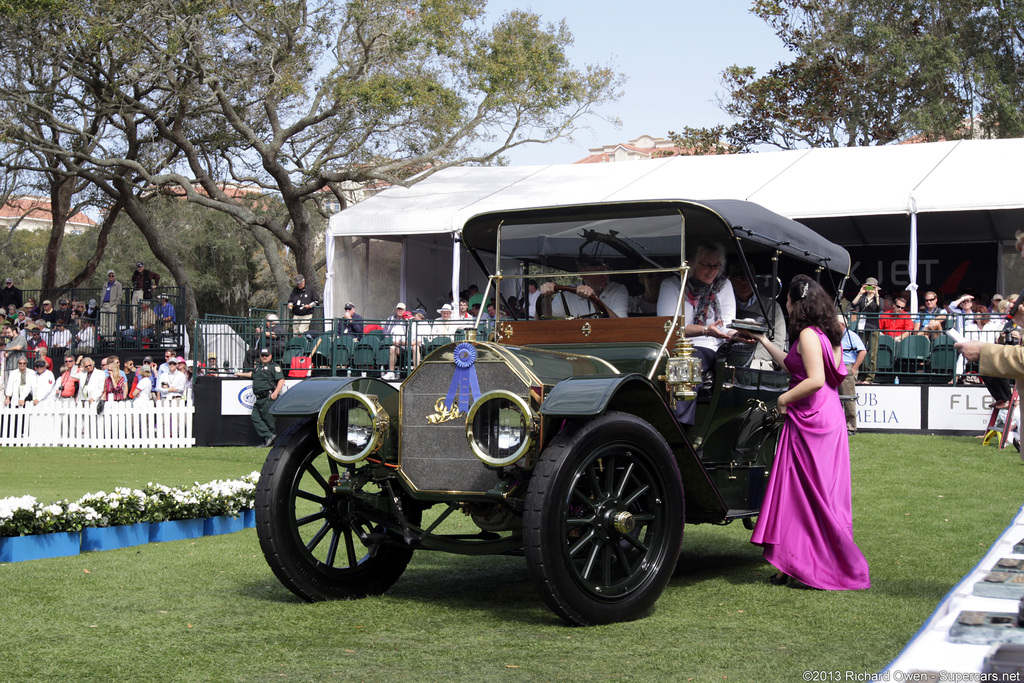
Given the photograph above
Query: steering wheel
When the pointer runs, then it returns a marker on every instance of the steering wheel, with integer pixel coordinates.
(602, 310)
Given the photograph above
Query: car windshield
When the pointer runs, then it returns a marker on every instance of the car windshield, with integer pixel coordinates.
(627, 243)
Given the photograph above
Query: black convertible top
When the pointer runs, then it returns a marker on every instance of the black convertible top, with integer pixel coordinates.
(653, 226)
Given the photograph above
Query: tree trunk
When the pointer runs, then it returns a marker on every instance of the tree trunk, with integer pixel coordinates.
(101, 245)
(304, 249)
(277, 269)
(62, 189)
(140, 217)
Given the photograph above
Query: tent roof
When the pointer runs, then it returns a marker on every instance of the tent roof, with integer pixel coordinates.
(826, 188)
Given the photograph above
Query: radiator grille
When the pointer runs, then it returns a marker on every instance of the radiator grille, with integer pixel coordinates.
(436, 457)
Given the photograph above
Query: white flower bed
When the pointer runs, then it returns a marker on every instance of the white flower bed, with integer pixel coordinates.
(24, 515)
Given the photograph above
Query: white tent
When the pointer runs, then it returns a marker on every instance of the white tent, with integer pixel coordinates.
(853, 196)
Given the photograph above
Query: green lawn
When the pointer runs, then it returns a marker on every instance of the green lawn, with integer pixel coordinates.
(925, 510)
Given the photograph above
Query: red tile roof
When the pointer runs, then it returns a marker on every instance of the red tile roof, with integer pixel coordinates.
(37, 208)
(654, 151)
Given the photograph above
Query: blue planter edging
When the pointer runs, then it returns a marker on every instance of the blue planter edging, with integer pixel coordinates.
(92, 539)
(40, 546)
(114, 537)
(175, 530)
(222, 524)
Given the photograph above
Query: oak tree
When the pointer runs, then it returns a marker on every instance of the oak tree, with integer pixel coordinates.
(291, 98)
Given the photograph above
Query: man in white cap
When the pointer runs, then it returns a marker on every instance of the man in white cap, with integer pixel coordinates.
(400, 341)
(112, 293)
(445, 326)
(164, 312)
(395, 322)
(395, 330)
(172, 384)
(301, 304)
(49, 314)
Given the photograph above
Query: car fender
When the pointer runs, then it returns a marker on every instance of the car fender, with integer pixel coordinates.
(310, 395)
(581, 397)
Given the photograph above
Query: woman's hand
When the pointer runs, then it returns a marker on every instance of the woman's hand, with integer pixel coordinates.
(782, 405)
(717, 329)
(747, 335)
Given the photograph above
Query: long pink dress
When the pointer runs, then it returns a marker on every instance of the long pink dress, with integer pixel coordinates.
(806, 520)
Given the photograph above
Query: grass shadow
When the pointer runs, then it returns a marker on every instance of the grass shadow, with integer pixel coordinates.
(711, 552)
(495, 584)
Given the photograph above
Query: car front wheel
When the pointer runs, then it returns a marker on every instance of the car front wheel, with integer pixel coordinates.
(323, 536)
(604, 520)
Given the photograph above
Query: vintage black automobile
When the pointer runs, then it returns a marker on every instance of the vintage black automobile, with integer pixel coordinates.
(557, 438)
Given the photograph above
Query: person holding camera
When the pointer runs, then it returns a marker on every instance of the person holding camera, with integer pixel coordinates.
(172, 383)
(868, 304)
(999, 360)
(267, 385)
(301, 304)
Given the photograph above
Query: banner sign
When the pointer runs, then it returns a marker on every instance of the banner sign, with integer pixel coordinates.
(888, 407)
(236, 397)
(945, 268)
(960, 408)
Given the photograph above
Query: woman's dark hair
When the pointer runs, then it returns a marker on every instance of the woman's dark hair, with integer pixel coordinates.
(812, 307)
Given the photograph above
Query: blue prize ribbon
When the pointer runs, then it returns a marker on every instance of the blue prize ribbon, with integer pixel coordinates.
(464, 386)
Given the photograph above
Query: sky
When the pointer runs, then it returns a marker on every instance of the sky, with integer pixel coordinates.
(672, 53)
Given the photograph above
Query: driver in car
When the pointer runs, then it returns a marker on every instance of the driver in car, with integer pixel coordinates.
(612, 294)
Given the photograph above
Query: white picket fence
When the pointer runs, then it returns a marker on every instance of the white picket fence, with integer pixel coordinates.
(167, 424)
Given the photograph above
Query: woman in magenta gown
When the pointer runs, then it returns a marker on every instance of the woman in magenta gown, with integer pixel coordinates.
(805, 524)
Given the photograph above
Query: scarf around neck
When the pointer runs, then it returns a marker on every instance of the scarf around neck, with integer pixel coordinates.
(704, 299)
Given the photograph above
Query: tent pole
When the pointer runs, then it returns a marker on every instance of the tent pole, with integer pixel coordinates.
(912, 258)
(328, 292)
(456, 268)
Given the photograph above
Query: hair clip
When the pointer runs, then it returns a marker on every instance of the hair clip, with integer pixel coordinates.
(803, 292)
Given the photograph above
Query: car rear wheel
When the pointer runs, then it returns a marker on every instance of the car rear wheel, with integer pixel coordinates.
(321, 543)
(604, 520)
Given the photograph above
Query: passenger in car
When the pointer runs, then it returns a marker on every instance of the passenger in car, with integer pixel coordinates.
(747, 307)
(709, 305)
(646, 303)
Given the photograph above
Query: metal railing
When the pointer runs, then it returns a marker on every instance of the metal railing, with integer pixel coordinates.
(902, 353)
(226, 345)
(129, 328)
(895, 355)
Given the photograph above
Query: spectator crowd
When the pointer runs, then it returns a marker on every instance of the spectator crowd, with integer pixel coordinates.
(47, 351)
(79, 381)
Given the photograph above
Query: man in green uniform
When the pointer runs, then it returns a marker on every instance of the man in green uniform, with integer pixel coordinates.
(267, 383)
